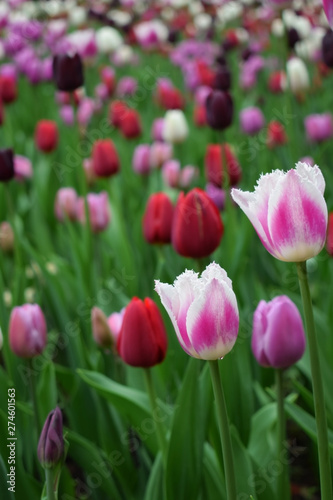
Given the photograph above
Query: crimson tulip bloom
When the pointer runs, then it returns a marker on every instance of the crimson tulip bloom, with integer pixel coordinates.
(8, 89)
(219, 161)
(105, 161)
(130, 125)
(46, 135)
(276, 135)
(197, 227)
(117, 111)
(157, 220)
(142, 340)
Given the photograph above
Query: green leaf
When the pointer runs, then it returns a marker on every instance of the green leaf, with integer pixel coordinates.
(47, 391)
(154, 488)
(213, 477)
(243, 466)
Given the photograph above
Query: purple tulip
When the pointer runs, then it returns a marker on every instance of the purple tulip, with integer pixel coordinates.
(50, 448)
(319, 127)
(251, 120)
(278, 338)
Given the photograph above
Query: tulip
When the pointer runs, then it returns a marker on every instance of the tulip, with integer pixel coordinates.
(105, 161)
(108, 78)
(157, 219)
(27, 331)
(67, 114)
(8, 89)
(100, 328)
(68, 72)
(142, 340)
(298, 76)
(251, 120)
(222, 78)
(288, 212)
(175, 128)
(115, 322)
(220, 160)
(216, 194)
(328, 8)
(7, 171)
(6, 237)
(50, 449)
(98, 208)
(203, 311)
(160, 152)
(219, 110)
(65, 204)
(108, 39)
(130, 125)
(127, 87)
(170, 98)
(278, 338)
(171, 173)
(46, 135)
(276, 135)
(329, 241)
(141, 159)
(277, 82)
(117, 111)
(319, 127)
(157, 129)
(327, 49)
(22, 168)
(199, 116)
(85, 111)
(197, 228)
(187, 176)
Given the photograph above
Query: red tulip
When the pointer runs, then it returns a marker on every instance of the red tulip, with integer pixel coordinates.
(197, 227)
(142, 340)
(8, 89)
(46, 135)
(105, 161)
(130, 125)
(117, 111)
(199, 116)
(218, 160)
(276, 135)
(157, 220)
(170, 98)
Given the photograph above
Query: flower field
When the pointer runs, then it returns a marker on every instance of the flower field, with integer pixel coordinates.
(166, 244)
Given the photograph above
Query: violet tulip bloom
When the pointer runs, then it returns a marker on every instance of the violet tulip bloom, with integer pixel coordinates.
(27, 331)
(50, 449)
(251, 120)
(203, 311)
(288, 212)
(319, 127)
(278, 338)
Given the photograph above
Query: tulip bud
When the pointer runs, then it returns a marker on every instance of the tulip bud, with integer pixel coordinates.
(196, 227)
(327, 49)
(278, 338)
(22, 168)
(142, 340)
(98, 208)
(50, 448)
(27, 331)
(6, 165)
(276, 135)
(157, 129)
(277, 82)
(319, 127)
(65, 204)
(130, 124)
(141, 159)
(105, 161)
(68, 72)
(117, 111)
(329, 240)
(219, 109)
(6, 237)
(175, 128)
(157, 219)
(219, 161)
(46, 135)
(8, 89)
(160, 152)
(100, 328)
(298, 76)
(251, 120)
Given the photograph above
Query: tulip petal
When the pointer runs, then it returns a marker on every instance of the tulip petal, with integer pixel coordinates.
(297, 218)
(328, 8)
(213, 270)
(258, 333)
(212, 321)
(312, 174)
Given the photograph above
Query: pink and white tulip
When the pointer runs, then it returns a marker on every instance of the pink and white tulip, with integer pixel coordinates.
(27, 331)
(288, 212)
(203, 311)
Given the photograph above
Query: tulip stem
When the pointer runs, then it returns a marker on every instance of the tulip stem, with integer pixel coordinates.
(224, 431)
(32, 384)
(317, 385)
(152, 399)
(49, 476)
(283, 486)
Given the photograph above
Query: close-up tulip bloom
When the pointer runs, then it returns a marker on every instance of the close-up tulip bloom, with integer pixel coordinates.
(27, 331)
(197, 227)
(105, 161)
(142, 340)
(51, 442)
(278, 338)
(65, 204)
(203, 311)
(68, 72)
(157, 219)
(46, 135)
(288, 212)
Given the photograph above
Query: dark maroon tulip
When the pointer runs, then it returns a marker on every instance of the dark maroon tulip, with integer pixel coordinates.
(222, 78)
(327, 49)
(50, 448)
(292, 37)
(142, 340)
(68, 72)
(197, 227)
(219, 108)
(157, 220)
(6, 165)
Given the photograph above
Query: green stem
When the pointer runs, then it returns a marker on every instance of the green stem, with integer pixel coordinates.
(224, 431)
(317, 384)
(159, 429)
(283, 486)
(33, 397)
(49, 476)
